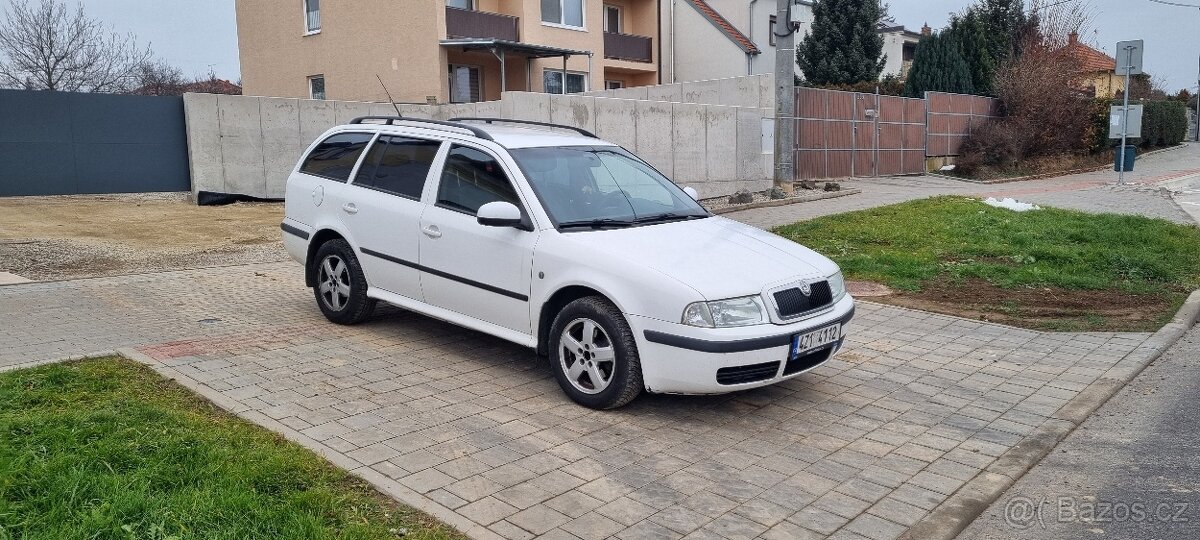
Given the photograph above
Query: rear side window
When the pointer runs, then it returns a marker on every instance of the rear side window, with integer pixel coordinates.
(398, 165)
(472, 179)
(335, 157)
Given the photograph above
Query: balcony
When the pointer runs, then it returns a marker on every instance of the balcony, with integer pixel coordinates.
(466, 23)
(628, 47)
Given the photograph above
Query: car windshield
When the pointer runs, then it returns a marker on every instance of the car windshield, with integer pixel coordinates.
(602, 187)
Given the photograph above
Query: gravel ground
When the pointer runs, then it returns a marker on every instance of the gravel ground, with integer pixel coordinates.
(44, 238)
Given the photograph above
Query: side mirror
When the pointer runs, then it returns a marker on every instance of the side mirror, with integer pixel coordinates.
(499, 214)
(691, 191)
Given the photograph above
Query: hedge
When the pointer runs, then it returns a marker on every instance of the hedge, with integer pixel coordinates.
(1164, 123)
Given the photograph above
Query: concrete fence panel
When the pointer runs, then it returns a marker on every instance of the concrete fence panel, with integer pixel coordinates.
(248, 145)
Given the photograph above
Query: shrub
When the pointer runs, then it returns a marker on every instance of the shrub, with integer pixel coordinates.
(1164, 123)
(1043, 113)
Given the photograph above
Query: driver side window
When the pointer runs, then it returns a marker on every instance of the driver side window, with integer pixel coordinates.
(472, 178)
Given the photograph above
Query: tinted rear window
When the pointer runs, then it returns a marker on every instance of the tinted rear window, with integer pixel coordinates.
(398, 165)
(335, 157)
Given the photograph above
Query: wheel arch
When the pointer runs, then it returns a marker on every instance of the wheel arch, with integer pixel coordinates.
(555, 304)
(318, 239)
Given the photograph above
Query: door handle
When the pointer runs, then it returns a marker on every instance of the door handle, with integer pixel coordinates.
(350, 208)
(432, 231)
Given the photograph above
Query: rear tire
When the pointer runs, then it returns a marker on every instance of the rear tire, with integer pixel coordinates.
(594, 355)
(341, 286)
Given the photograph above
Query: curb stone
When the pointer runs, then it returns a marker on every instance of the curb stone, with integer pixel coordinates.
(383, 484)
(1042, 176)
(962, 508)
(792, 200)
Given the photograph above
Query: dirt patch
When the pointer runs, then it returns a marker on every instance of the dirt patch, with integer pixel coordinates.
(1054, 309)
(87, 236)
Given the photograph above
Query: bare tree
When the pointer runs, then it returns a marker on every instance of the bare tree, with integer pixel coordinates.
(46, 47)
(157, 78)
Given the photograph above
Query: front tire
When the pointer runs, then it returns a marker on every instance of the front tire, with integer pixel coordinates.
(341, 287)
(594, 355)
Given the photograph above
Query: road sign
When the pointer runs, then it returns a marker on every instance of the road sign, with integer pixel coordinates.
(1116, 122)
(1129, 55)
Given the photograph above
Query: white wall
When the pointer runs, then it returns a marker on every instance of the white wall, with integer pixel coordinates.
(745, 91)
(893, 47)
(702, 52)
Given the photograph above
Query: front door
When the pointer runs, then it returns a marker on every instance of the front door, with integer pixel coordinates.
(478, 271)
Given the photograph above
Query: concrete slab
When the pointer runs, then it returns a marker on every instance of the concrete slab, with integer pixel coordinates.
(720, 155)
(242, 146)
(702, 92)
(577, 111)
(345, 111)
(654, 134)
(525, 106)
(282, 145)
(204, 142)
(616, 121)
(665, 92)
(688, 140)
(7, 278)
(316, 117)
(488, 109)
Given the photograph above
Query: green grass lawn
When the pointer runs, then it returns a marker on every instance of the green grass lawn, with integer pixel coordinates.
(106, 448)
(1047, 269)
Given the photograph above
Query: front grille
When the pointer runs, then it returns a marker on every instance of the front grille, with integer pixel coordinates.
(747, 374)
(808, 361)
(792, 302)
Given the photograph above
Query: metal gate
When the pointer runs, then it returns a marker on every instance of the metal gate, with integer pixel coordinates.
(850, 134)
(60, 143)
(952, 118)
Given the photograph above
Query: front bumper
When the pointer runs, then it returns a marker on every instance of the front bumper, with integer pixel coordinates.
(680, 359)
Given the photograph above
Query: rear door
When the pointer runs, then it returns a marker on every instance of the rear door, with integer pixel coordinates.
(483, 272)
(386, 196)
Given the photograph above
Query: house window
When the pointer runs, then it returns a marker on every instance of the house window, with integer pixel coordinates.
(552, 82)
(464, 84)
(316, 87)
(461, 4)
(612, 19)
(613, 85)
(312, 16)
(771, 31)
(563, 12)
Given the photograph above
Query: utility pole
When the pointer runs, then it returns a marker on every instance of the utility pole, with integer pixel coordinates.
(1197, 134)
(785, 97)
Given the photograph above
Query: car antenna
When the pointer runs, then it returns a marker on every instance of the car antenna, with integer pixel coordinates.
(389, 94)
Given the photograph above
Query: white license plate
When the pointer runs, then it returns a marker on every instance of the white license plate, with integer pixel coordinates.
(802, 343)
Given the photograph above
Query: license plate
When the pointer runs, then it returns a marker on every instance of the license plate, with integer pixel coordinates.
(802, 343)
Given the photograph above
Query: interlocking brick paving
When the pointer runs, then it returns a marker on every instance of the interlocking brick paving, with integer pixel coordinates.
(861, 447)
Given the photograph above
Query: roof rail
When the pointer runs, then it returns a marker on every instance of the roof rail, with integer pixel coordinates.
(581, 131)
(391, 121)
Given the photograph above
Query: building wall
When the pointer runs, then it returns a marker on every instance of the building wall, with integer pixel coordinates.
(1107, 85)
(358, 40)
(893, 47)
(399, 42)
(701, 52)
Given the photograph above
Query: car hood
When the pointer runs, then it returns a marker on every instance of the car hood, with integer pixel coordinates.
(718, 257)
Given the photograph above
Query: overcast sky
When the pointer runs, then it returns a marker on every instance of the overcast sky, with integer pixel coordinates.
(195, 35)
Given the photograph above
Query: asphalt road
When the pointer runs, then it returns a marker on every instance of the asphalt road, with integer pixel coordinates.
(1131, 471)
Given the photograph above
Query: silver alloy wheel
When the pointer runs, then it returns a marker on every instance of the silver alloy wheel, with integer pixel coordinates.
(586, 356)
(333, 280)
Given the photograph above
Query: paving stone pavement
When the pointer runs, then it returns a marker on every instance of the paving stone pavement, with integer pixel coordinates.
(861, 447)
(1089, 192)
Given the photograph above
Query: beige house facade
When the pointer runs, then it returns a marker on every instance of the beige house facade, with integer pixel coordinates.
(444, 51)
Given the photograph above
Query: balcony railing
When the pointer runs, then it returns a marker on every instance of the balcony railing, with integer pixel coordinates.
(628, 47)
(466, 23)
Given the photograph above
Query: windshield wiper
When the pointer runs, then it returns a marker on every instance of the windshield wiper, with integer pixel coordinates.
(667, 216)
(595, 223)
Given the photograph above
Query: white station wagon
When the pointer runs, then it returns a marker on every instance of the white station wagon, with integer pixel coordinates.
(552, 238)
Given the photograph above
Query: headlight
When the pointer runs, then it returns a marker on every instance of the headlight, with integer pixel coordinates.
(744, 311)
(837, 286)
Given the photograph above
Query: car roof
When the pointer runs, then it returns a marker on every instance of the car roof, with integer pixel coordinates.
(508, 135)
